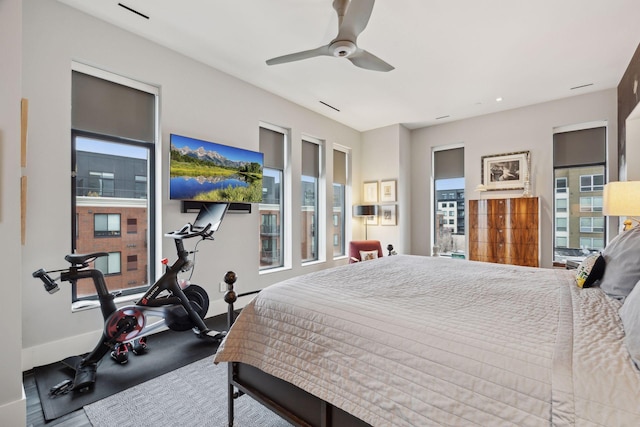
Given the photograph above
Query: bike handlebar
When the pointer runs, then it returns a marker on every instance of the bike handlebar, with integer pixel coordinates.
(50, 284)
(187, 232)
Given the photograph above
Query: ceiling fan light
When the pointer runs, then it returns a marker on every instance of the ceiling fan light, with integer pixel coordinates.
(342, 48)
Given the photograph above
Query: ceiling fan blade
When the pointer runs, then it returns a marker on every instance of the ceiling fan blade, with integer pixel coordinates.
(355, 19)
(363, 59)
(305, 54)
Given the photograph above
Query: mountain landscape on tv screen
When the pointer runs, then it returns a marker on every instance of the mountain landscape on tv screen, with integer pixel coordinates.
(198, 171)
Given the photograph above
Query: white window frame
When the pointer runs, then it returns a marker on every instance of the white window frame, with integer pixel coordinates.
(286, 223)
(321, 225)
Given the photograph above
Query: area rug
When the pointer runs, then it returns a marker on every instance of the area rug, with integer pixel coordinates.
(168, 350)
(195, 395)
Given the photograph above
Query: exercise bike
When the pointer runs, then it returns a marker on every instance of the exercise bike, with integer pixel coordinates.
(177, 308)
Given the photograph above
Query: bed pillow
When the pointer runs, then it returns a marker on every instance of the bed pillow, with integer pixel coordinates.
(630, 315)
(623, 268)
(590, 270)
(367, 255)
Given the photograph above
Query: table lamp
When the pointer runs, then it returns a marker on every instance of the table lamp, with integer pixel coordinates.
(622, 198)
(365, 211)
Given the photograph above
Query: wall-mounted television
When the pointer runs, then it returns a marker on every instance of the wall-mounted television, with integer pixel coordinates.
(211, 172)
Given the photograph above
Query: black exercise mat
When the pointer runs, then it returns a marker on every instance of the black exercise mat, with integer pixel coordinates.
(167, 351)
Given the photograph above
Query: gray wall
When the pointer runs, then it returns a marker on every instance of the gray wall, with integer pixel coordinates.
(528, 128)
(197, 101)
(12, 403)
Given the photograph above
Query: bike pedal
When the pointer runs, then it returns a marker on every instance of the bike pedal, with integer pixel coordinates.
(139, 346)
(121, 354)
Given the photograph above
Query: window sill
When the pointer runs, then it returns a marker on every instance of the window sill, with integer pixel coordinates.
(273, 270)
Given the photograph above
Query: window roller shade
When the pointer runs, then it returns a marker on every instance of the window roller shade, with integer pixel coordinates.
(448, 163)
(581, 147)
(310, 159)
(272, 146)
(108, 108)
(339, 167)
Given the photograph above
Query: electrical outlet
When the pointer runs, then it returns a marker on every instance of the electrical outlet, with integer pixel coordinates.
(223, 287)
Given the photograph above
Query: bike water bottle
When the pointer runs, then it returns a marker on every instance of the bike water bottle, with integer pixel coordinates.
(183, 283)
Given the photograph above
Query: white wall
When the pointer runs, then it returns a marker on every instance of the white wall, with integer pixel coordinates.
(385, 156)
(528, 128)
(12, 402)
(197, 101)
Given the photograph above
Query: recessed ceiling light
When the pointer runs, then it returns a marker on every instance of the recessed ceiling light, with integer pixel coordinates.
(499, 99)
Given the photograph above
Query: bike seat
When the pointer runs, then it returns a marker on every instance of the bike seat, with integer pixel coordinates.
(81, 259)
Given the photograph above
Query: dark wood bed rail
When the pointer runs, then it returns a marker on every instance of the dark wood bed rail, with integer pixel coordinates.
(295, 405)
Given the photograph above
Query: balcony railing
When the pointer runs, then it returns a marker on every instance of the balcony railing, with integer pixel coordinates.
(270, 230)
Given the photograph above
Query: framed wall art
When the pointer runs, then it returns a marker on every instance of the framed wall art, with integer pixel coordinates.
(507, 171)
(388, 215)
(370, 192)
(388, 191)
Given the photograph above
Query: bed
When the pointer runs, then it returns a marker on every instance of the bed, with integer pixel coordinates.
(418, 341)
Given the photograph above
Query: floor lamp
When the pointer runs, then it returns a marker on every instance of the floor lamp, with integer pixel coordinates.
(365, 211)
(622, 198)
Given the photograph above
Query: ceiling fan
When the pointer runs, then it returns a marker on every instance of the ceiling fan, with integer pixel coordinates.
(353, 16)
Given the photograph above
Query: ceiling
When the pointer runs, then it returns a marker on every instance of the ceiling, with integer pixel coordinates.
(453, 58)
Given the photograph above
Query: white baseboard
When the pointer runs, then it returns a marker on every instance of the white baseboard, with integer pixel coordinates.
(55, 351)
(14, 413)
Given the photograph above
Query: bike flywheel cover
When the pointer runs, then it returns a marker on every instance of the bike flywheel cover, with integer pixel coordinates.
(124, 324)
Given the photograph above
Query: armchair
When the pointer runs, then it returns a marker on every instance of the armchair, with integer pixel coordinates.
(355, 246)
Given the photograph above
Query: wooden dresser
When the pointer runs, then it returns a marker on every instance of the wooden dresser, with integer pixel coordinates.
(505, 231)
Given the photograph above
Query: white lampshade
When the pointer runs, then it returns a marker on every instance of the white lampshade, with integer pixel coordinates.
(621, 198)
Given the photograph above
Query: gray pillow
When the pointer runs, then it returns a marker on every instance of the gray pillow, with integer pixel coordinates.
(622, 258)
(630, 315)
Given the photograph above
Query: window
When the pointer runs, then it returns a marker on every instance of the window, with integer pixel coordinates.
(591, 182)
(132, 262)
(106, 225)
(310, 199)
(140, 191)
(592, 224)
(272, 233)
(561, 224)
(100, 184)
(132, 225)
(561, 185)
(591, 204)
(448, 178)
(113, 139)
(340, 174)
(592, 243)
(109, 265)
(579, 167)
(561, 205)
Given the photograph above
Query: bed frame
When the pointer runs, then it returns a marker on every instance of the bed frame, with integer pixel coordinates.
(295, 405)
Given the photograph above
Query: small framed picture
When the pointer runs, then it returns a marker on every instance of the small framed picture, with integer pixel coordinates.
(370, 192)
(507, 171)
(388, 191)
(388, 215)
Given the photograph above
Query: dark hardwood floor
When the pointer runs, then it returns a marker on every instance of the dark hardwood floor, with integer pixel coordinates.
(35, 417)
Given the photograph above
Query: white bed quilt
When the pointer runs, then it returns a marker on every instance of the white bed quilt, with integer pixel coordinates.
(417, 341)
